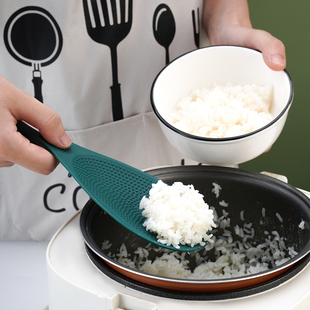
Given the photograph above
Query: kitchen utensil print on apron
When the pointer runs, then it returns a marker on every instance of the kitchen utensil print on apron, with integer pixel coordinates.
(109, 23)
(196, 27)
(164, 28)
(25, 33)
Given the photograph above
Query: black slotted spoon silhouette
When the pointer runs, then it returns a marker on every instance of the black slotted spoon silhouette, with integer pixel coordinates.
(110, 30)
(114, 186)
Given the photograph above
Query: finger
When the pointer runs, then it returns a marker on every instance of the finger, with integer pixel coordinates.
(24, 107)
(273, 49)
(47, 122)
(274, 55)
(4, 163)
(19, 150)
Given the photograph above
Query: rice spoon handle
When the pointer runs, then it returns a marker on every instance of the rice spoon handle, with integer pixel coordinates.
(116, 187)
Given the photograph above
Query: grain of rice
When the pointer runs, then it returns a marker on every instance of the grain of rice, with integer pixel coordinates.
(248, 225)
(216, 189)
(106, 245)
(225, 213)
(302, 225)
(223, 203)
(247, 231)
(279, 217)
(225, 223)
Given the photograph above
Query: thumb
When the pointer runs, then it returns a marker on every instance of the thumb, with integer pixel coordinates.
(51, 128)
(273, 49)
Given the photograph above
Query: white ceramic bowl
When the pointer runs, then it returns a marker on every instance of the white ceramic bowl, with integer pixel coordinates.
(220, 65)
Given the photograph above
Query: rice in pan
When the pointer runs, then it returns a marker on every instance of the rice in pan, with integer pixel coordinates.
(233, 252)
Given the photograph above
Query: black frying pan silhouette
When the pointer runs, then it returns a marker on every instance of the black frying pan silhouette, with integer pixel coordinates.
(33, 37)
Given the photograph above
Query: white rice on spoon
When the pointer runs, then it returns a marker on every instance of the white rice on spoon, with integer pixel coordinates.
(178, 214)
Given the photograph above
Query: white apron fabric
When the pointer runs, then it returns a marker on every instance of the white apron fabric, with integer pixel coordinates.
(77, 86)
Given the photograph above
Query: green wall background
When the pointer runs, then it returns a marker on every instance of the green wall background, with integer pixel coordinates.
(289, 21)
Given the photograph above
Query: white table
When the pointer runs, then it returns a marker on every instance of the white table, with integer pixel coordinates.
(23, 276)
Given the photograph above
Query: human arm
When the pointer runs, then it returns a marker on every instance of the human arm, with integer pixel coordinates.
(15, 104)
(228, 22)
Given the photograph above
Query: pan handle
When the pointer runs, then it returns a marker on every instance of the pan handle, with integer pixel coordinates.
(37, 83)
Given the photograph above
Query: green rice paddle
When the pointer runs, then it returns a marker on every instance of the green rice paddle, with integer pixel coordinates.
(114, 186)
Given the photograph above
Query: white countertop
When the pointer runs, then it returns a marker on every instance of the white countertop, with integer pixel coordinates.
(23, 276)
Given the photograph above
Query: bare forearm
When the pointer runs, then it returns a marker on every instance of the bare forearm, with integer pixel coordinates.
(228, 22)
(223, 13)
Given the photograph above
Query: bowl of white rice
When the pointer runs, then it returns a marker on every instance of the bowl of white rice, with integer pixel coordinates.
(221, 105)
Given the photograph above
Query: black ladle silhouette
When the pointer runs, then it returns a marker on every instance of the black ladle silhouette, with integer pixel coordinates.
(164, 27)
(33, 37)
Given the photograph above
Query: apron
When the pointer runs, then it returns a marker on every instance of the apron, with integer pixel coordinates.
(76, 75)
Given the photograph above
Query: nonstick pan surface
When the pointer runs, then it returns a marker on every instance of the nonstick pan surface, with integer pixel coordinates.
(247, 192)
(106, 269)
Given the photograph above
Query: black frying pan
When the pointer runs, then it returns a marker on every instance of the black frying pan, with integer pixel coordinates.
(33, 37)
(244, 191)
